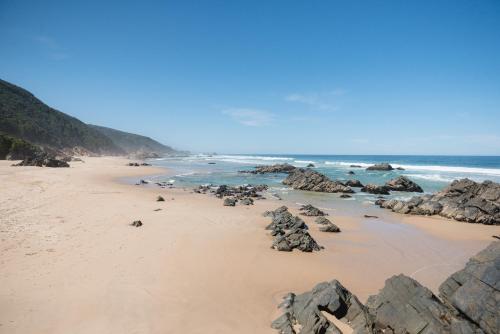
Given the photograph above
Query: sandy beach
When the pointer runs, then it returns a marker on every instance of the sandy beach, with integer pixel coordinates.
(71, 262)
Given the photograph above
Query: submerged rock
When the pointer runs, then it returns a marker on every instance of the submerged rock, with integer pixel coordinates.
(382, 167)
(463, 200)
(310, 166)
(375, 189)
(278, 168)
(345, 196)
(351, 172)
(403, 305)
(402, 183)
(309, 210)
(308, 179)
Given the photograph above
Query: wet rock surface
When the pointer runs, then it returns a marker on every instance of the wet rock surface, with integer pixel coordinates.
(402, 183)
(278, 168)
(375, 189)
(309, 210)
(463, 200)
(469, 304)
(308, 179)
(354, 183)
(381, 167)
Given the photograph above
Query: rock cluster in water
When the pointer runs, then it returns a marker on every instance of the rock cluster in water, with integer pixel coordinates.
(278, 168)
(290, 232)
(308, 179)
(381, 167)
(243, 195)
(469, 304)
(400, 183)
(463, 200)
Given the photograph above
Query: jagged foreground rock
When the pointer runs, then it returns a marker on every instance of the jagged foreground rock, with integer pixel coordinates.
(308, 179)
(463, 200)
(402, 183)
(471, 304)
(290, 232)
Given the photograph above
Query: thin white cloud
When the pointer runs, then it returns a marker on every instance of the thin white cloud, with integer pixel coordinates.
(52, 49)
(319, 101)
(249, 117)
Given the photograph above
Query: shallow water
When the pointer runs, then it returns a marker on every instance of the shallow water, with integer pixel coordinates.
(432, 173)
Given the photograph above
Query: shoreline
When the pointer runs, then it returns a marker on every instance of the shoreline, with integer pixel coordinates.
(67, 248)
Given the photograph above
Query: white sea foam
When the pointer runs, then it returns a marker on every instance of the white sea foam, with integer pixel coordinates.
(432, 177)
(247, 159)
(304, 161)
(448, 169)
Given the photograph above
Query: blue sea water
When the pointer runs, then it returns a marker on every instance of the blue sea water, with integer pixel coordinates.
(432, 173)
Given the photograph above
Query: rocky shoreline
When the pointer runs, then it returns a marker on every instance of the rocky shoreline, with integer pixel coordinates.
(468, 304)
(463, 200)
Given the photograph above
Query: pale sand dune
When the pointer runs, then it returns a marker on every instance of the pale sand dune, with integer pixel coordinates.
(70, 262)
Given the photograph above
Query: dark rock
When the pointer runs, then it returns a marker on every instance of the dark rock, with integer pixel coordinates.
(375, 189)
(404, 306)
(308, 179)
(463, 200)
(381, 167)
(278, 168)
(160, 199)
(229, 201)
(295, 238)
(351, 172)
(239, 192)
(475, 290)
(400, 168)
(310, 166)
(309, 210)
(145, 164)
(328, 226)
(322, 220)
(136, 223)
(356, 166)
(307, 309)
(43, 160)
(402, 183)
(282, 219)
(246, 201)
(211, 163)
(354, 183)
(345, 196)
(370, 216)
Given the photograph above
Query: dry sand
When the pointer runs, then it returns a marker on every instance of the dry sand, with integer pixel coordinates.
(71, 263)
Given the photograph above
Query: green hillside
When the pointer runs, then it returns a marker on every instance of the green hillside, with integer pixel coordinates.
(24, 116)
(132, 143)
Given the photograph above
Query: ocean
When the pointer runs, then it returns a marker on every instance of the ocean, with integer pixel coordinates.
(432, 173)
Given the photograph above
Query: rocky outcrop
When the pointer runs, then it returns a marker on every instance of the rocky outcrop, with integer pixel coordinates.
(296, 238)
(290, 232)
(309, 210)
(43, 161)
(475, 290)
(310, 166)
(402, 183)
(404, 306)
(246, 201)
(381, 167)
(278, 168)
(354, 183)
(327, 225)
(308, 179)
(238, 192)
(463, 200)
(375, 189)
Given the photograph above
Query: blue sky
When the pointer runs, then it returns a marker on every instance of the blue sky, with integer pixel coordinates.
(332, 77)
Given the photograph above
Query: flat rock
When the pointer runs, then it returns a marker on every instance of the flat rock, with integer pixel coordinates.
(278, 168)
(382, 167)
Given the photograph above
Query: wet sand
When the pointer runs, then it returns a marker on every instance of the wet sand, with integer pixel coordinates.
(71, 263)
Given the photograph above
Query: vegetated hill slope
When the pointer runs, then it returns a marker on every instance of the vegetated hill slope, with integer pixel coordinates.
(24, 116)
(132, 143)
